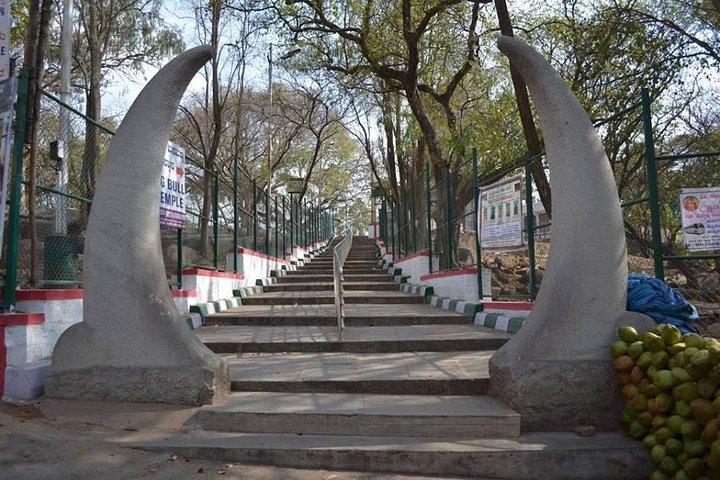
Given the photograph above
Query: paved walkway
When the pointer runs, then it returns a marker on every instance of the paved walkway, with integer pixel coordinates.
(76, 447)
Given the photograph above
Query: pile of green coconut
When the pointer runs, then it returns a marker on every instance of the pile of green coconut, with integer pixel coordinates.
(671, 384)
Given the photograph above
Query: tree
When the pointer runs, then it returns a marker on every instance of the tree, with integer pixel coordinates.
(119, 36)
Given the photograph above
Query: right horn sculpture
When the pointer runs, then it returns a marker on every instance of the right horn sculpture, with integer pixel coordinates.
(557, 370)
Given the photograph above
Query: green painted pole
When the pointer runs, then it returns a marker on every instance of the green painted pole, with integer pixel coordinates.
(284, 236)
(255, 222)
(267, 223)
(530, 227)
(476, 199)
(448, 204)
(292, 224)
(180, 258)
(236, 223)
(277, 230)
(216, 226)
(392, 229)
(412, 220)
(652, 185)
(428, 203)
(13, 248)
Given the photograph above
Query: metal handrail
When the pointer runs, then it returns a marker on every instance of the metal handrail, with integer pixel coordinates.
(340, 253)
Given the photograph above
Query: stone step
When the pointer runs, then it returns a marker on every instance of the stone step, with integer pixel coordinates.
(534, 456)
(328, 278)
(353, 263)
(420, 416)
(327, 286)
(329, 271)
(324, 315)
(419, 338)
(328, 297)
(404, 373)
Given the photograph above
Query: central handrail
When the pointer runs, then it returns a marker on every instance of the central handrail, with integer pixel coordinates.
(340, 253)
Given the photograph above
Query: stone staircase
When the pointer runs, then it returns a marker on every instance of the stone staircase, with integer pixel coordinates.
(405, 391)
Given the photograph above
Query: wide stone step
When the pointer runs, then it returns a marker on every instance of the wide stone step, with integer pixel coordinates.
(329, 271)
(420, 338)
(324, 315)
(404, 373)
(324, 277)
(536, 456)
(328, 297)
(421, 416)
(327, 286)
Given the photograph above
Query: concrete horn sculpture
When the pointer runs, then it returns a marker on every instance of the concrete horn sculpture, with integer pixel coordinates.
(557, 371)
(132, 344)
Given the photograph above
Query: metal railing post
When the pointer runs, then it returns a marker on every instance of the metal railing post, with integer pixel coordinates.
(284, 226)
(476, 199)
(276, 228)
(216, 227)
(429, 217)
(412, 220)
(13, 247)
(255, 222)
(448, 212)
(292, 225)
(236, 223)
(267, 223)
(179, 258)
(392, 229)
(652, 185)
(529, 209)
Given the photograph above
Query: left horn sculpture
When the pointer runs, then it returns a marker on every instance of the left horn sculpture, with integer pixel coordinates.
(132, 344)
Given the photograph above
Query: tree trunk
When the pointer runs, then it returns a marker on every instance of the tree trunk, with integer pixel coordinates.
(526, 118)
(91, 150)
(208, 180)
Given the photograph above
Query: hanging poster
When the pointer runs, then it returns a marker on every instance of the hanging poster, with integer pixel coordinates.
(172, 188)
(700, 211)
(7, 106)
(500, 215)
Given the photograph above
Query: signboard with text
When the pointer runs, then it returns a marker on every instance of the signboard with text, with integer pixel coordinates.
(172, 188)
(500, 216)
(700, 211)
(4, 40)
(7, 105)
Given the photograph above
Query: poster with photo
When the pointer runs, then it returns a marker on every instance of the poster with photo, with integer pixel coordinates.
(172, 188)
(500, 216)
(700, 212)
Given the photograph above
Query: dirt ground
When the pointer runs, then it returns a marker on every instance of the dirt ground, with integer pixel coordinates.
(33, 447)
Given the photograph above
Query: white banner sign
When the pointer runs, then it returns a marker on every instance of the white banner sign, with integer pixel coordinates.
(700, 210)
(500, 216)
(4, 40)
(7, 105)
(172, 188)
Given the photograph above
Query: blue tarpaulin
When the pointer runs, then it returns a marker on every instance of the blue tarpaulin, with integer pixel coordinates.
(664, 304)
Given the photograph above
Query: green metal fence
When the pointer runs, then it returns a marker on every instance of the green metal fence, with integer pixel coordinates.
(48, 217)
(652, 219)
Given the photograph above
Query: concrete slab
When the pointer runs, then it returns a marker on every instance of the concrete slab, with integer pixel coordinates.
(456, 416)
(33, 447)
(328, 297)
(349, 277)
(557, 456)
(417, 373)
(236, 339)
